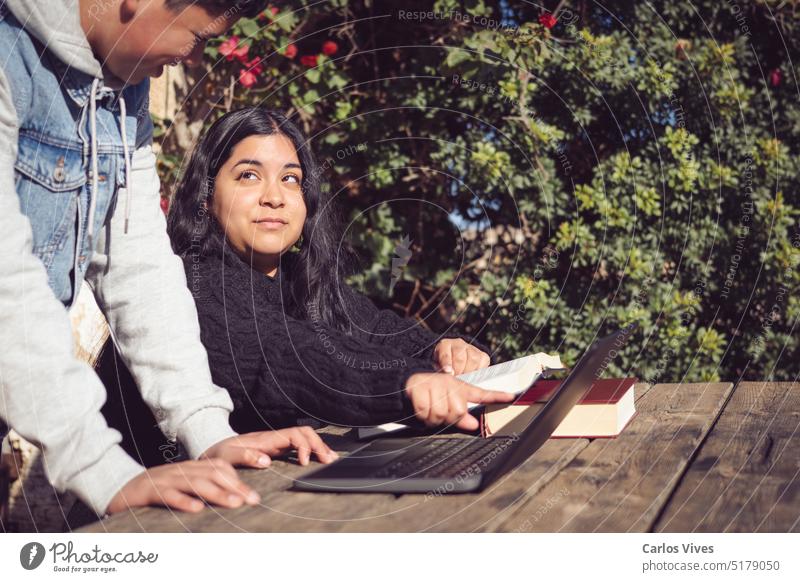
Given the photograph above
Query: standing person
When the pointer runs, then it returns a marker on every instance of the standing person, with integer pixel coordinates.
(79, 199)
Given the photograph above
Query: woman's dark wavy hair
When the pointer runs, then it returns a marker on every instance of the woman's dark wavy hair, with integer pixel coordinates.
(316, 290)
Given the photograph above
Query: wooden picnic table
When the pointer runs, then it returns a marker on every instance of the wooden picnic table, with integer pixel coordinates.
(697, 457)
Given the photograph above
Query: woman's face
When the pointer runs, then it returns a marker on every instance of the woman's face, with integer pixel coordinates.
(258, 200)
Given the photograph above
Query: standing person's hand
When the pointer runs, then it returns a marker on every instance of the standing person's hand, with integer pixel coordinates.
(184, 486)
(442, 399)
(254, 449)
(455, 356)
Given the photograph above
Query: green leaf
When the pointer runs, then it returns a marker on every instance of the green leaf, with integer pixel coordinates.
(287, 20)
(249, 27)
(456, 56)
(313, 75)
(336, 81)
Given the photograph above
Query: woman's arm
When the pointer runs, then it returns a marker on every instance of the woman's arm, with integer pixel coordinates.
(279, 369)
(334, 378)
(385, 327)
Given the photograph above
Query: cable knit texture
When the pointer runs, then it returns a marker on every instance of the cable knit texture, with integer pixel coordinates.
(282, 371)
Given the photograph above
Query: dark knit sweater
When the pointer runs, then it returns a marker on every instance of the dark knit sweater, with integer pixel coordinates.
(282, 371)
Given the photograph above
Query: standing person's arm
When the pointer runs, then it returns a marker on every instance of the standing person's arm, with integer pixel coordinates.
(46, 394)
(141, 287)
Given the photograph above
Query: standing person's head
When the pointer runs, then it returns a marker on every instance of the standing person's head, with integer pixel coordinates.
(134, 39)
(253, 183)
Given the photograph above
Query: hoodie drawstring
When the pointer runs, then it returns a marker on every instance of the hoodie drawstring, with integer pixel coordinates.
(122, 115)
(93, 153)
(95, 164)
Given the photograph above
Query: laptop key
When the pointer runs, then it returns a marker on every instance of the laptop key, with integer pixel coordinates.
(407, 466)
(447, 459)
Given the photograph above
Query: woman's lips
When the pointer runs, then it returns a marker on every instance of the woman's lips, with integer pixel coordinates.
(270, 224)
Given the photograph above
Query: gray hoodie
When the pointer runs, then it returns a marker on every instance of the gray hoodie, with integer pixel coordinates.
(46, 394)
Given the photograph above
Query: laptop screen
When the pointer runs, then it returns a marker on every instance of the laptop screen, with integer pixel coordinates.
(589, 368)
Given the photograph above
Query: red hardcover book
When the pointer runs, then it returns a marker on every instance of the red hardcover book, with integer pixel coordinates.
(603, 412)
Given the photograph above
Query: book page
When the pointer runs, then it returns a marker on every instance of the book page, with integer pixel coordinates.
(475, 378)
(538, 363)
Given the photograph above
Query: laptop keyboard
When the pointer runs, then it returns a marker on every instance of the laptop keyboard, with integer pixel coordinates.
(444, 457)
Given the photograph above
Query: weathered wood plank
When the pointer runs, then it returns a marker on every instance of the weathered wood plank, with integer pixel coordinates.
(267, 482)
(472, 511)
(746, 476)
(621, 484)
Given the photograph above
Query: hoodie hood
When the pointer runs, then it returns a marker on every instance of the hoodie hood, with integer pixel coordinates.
(57, 25)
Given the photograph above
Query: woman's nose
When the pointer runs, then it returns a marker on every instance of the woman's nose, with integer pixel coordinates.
(271, 196)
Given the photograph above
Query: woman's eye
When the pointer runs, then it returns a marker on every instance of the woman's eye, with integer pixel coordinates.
(248, 175)
(292, 178)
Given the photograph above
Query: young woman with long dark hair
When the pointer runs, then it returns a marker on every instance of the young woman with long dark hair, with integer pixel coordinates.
(292, 343)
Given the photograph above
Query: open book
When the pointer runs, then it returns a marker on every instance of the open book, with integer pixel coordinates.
(515, 377)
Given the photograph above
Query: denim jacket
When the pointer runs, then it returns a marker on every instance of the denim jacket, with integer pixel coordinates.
(60, 135)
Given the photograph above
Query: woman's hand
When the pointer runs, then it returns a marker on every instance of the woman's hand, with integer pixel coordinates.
(442, 399)
(254, 449)
(455, 356)
(182, 486)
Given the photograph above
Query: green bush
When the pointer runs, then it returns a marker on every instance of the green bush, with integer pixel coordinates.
(557, 175)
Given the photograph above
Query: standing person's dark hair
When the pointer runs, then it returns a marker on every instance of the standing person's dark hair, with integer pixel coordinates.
(239, 8)
(322, 260)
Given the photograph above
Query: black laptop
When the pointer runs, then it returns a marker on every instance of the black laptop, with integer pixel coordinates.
(459, 464)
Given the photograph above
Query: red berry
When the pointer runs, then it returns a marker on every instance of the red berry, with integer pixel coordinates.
(775, 77)
(164, 204)
(249, 75)
(247, 78)
(309, 60)
(291, 51)
(547, 20)
(330, 48)
(230, 49)
(254, 65)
